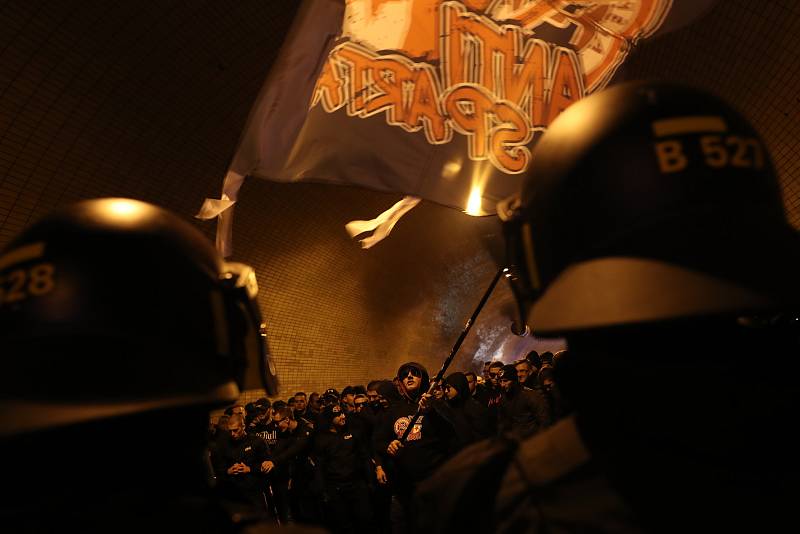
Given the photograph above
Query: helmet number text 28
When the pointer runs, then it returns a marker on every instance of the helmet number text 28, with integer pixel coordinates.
(20, 284)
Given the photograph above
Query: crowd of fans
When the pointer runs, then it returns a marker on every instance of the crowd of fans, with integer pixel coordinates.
(662, 426)
(345, 460)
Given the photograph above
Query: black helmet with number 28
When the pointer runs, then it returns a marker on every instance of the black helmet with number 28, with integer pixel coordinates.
(115, 306)
(649, 202)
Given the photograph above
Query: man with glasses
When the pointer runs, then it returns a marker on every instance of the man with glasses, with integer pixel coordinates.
(291, 467)
(362, 419)
(426, 446)
(361, 401)
(494, 390)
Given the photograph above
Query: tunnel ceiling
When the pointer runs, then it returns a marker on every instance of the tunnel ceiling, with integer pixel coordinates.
(147, 100)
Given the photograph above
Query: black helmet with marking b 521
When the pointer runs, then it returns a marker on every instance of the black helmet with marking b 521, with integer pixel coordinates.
(649, 202)
(113, 307)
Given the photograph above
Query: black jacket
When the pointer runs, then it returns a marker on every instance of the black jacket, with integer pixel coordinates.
(341, 457)
(523, 412)
(250, 450)
(427, 445)
(469, 419)
(291, 455)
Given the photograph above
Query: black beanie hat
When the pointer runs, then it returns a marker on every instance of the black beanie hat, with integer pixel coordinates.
(326, 416)
(509, 372)
(534, 358)
(459, 381)
(387, 390)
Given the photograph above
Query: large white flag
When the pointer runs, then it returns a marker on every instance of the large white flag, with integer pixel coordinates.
(435, 99)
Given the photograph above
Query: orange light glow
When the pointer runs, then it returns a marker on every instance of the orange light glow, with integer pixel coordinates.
(474, 202)
(123, 207)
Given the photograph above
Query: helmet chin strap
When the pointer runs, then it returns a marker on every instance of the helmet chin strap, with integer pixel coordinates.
(242, 281)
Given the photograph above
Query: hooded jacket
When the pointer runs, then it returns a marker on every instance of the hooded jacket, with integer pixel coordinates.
(426, 446)
(476, 415)
(470, 420)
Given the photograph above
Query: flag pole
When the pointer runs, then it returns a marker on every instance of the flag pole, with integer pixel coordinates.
(456, 346)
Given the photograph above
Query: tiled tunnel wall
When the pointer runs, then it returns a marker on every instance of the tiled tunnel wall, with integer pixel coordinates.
(147, 100)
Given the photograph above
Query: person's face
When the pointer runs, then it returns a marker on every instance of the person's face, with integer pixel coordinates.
(238, 410)
(372, 396)
(313, 401)
(411, 378)
(360, 403)
(494, 375)
(523, 372)
(450, 392)
(339, 417)
(486, 371)
(236, 428)
(506, 384)
(281, 421)
(291, 402)
(299, 403)
(472, 383)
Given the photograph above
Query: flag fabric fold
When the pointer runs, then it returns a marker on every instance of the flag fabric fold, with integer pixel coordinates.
(222, 209)
(382, 225)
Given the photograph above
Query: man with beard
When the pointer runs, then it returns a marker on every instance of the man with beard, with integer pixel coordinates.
(344, 466)
(522, 411)
(348, 399)
(426, 445)
(301, 410)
